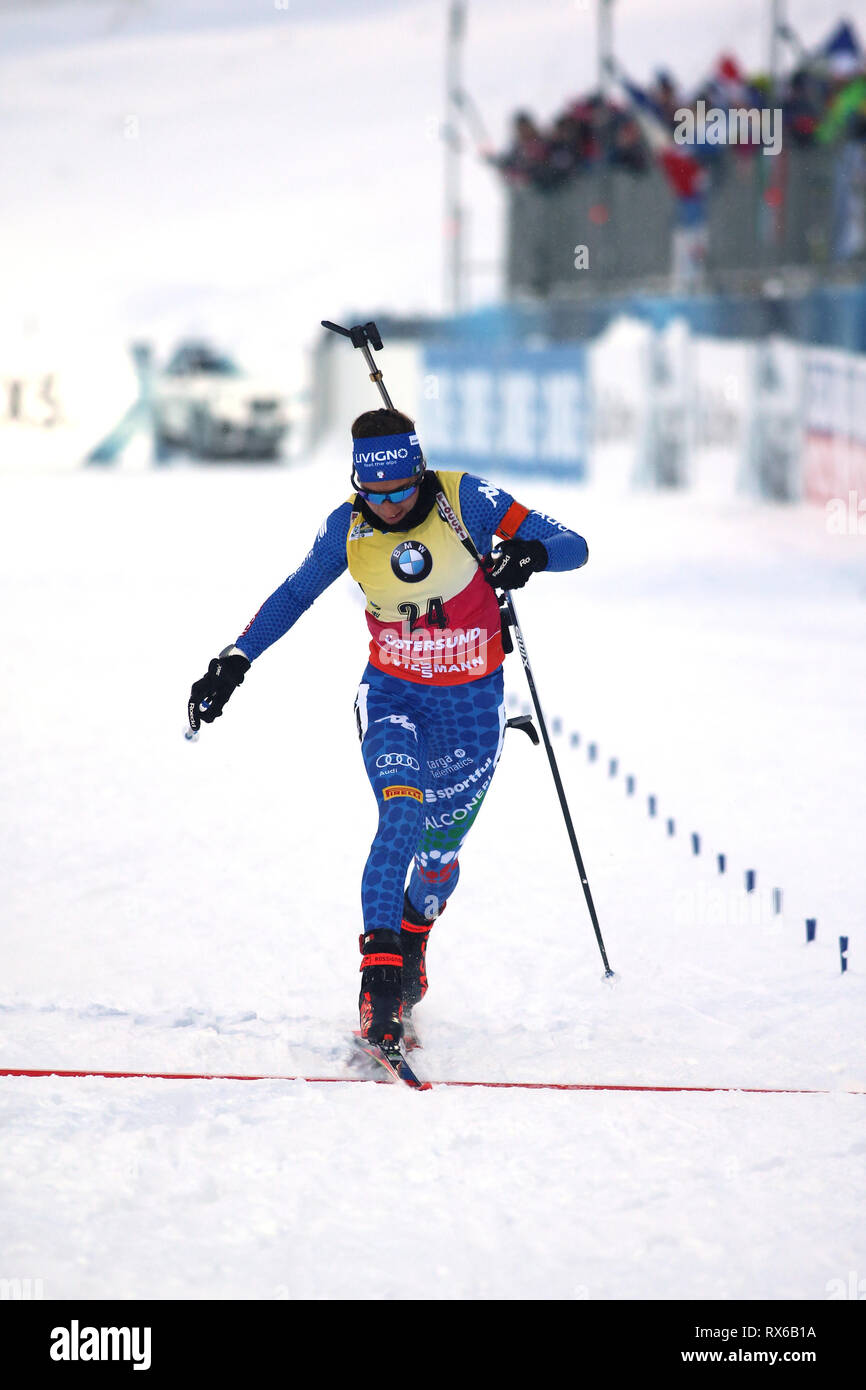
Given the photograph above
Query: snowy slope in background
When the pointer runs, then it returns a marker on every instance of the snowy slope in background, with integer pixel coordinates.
(245, 171)
(177, 907)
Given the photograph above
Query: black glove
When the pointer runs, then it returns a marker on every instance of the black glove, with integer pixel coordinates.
(511, 564)
(224, 674)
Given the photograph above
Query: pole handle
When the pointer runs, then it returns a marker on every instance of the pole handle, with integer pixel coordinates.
(360, 333)
(365, 336)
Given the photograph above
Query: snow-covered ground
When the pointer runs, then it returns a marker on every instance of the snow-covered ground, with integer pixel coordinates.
(177, 907)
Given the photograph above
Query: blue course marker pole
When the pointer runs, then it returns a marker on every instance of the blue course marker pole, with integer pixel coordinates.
(843, 953)
(592, 751)
(612, 767)
(720, 859)
(777, 900)
(651, 805)
(811, 927)
(629, 786)
(750, 880)
(696, 843)
(670, 827)
(575, 739)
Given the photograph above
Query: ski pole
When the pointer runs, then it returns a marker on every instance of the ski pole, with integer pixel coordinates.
(510, 616)
(361, 336)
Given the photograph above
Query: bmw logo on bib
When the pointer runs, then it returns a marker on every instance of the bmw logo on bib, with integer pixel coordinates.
(411, 561)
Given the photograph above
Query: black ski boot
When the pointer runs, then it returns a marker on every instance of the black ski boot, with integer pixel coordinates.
(381, 999)
(414, 934)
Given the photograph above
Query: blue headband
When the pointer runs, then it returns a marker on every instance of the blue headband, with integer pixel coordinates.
(387, 456)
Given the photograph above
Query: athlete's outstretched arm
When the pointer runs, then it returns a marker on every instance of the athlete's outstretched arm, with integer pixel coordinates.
(324, 563)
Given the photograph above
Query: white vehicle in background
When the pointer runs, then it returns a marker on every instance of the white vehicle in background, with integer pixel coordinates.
(203, 402)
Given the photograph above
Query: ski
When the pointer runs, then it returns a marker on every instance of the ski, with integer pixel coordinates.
(393, 1059)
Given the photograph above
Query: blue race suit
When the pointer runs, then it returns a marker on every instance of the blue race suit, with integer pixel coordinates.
(429, 709)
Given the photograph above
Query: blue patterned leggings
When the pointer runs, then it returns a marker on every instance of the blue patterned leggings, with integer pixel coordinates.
(430, 754)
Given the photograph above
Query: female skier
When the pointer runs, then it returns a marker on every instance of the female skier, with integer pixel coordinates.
(429, 709)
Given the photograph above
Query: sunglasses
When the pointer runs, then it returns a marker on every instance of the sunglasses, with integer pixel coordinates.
(399, 495)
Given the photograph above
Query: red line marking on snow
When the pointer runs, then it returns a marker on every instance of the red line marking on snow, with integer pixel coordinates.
(371, 1080)
(180, 1075)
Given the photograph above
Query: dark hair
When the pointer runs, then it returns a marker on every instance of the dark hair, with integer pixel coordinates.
(379, 422)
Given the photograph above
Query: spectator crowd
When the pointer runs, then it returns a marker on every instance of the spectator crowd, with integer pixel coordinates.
(822, 103)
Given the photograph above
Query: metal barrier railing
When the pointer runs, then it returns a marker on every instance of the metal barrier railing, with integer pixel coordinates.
(763, 214)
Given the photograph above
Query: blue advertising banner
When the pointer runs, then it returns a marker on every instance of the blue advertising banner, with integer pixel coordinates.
(505, 410)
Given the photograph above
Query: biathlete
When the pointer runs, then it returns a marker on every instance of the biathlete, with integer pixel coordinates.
(430, 707)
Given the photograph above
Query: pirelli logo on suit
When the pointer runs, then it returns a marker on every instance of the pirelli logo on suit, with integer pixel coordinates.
(390, 792)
